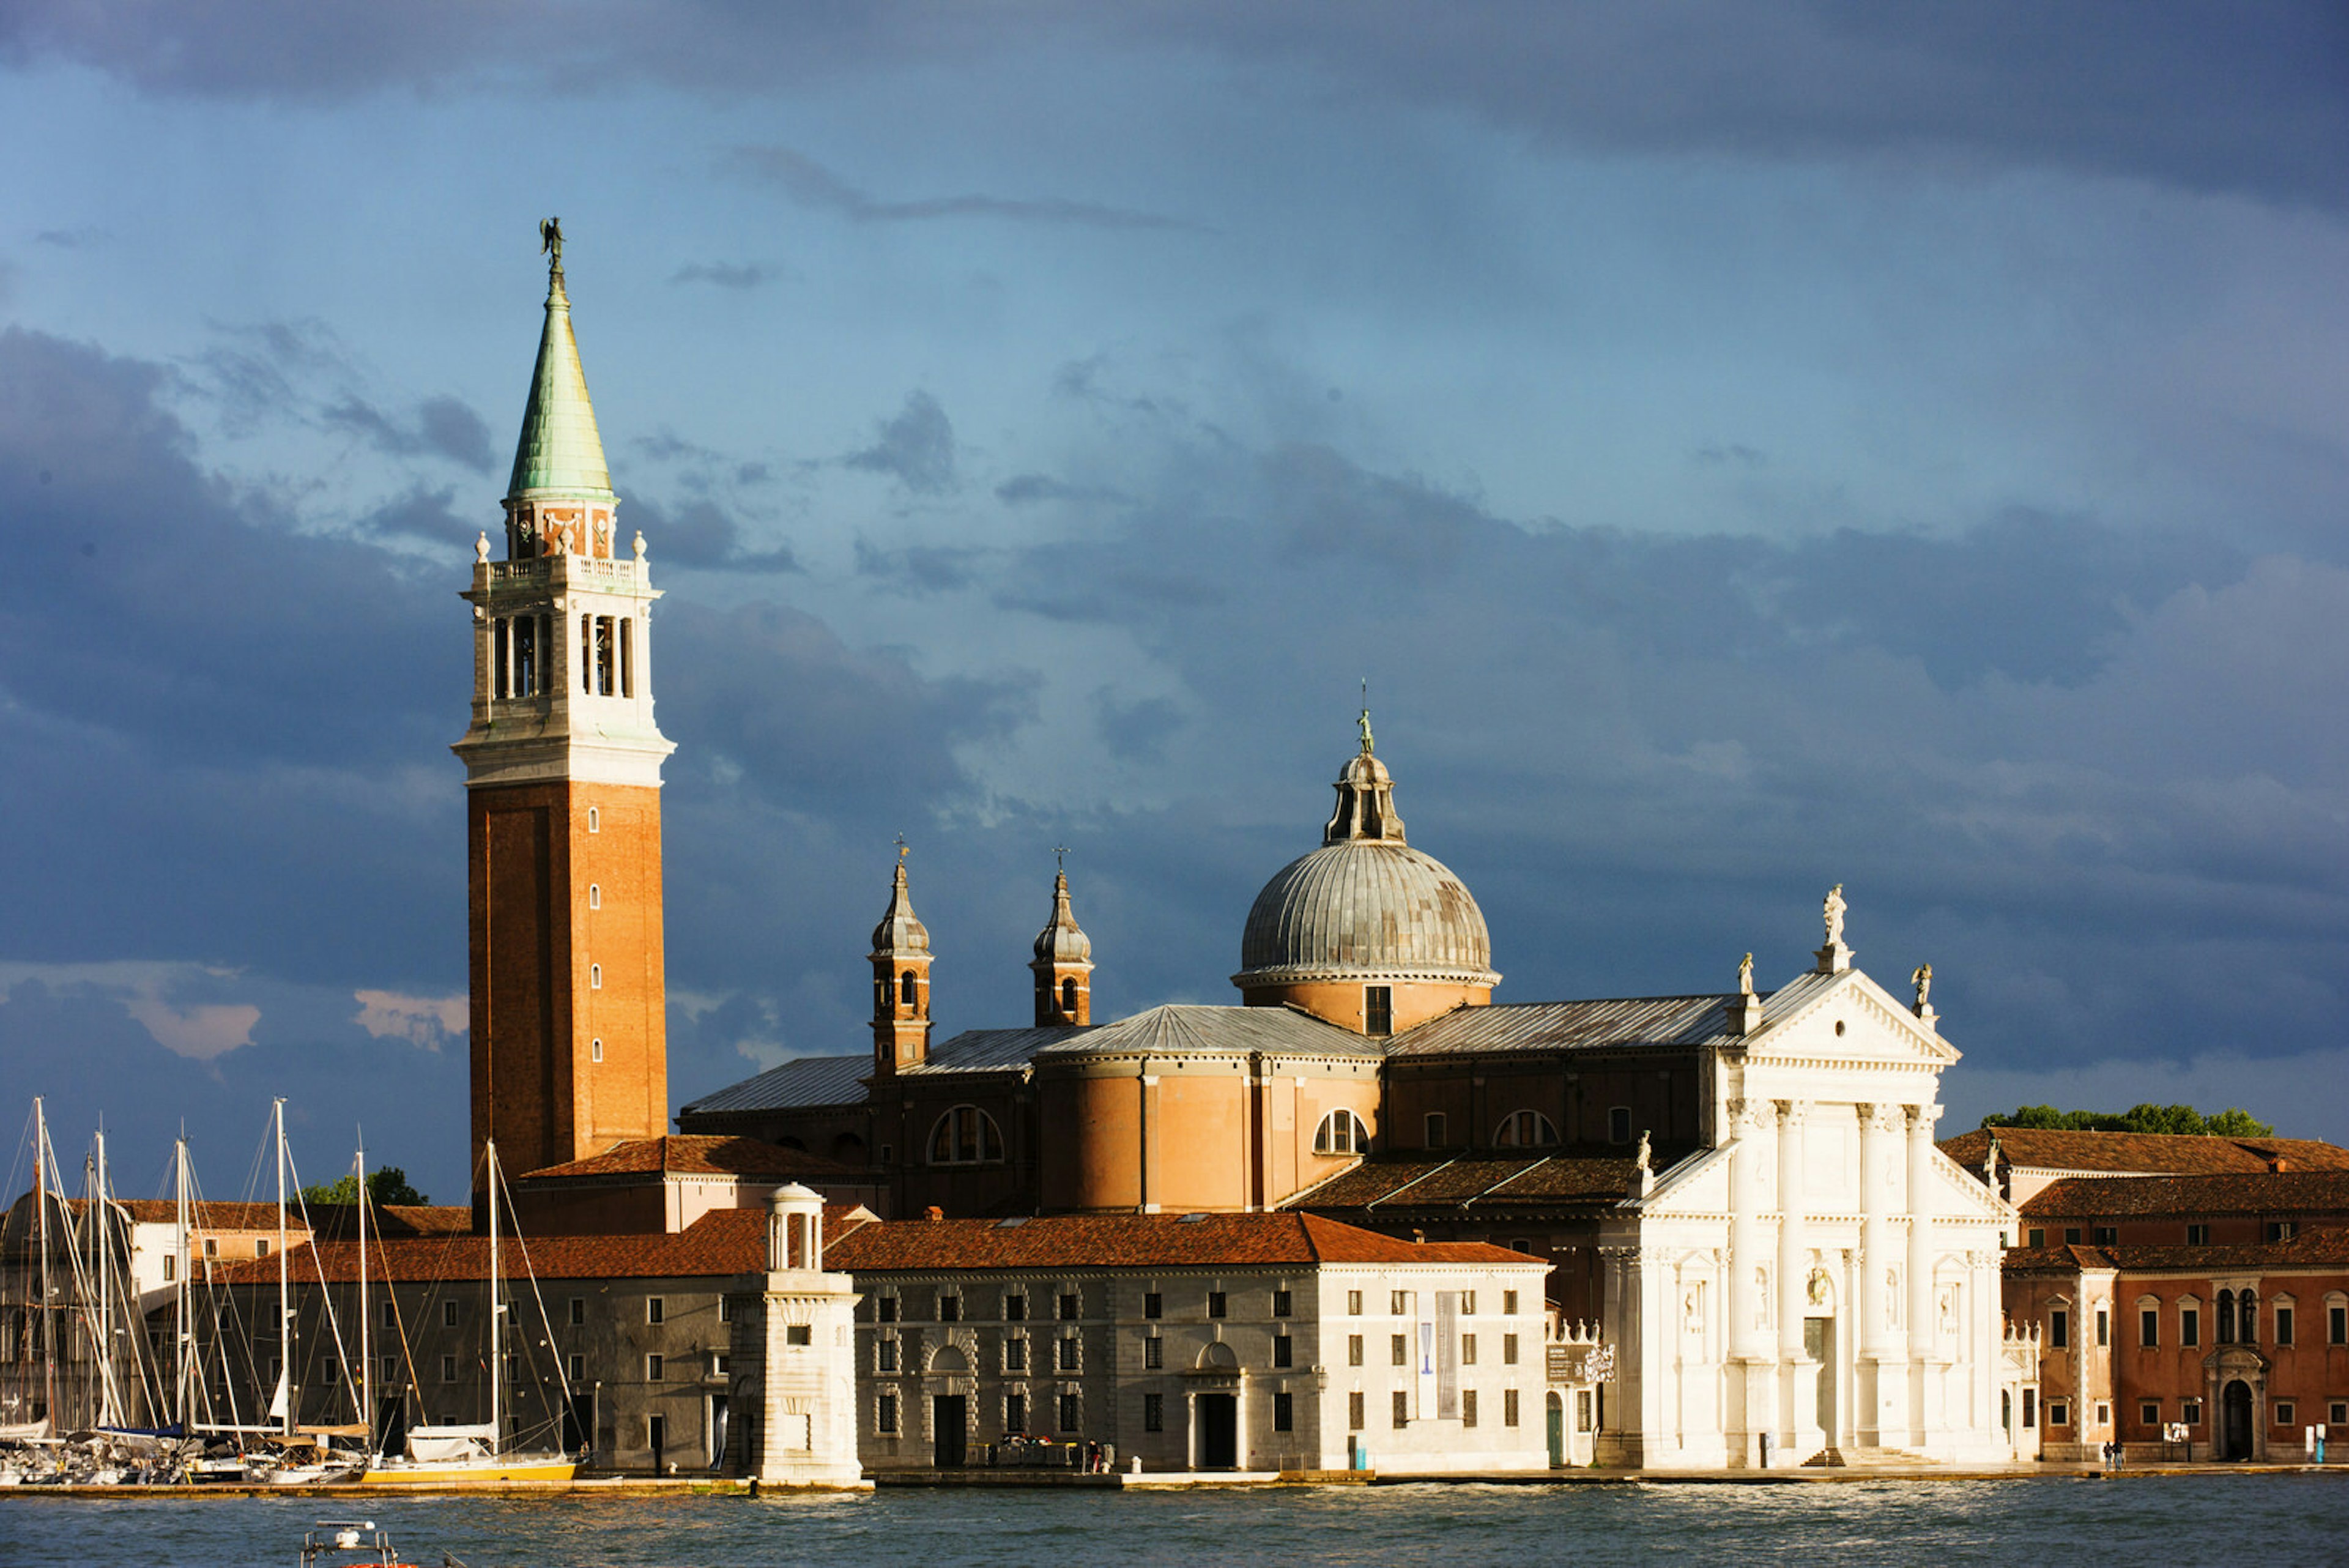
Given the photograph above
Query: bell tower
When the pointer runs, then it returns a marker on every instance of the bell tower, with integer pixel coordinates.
(901, 983)
(1063, 966)
(562, 765)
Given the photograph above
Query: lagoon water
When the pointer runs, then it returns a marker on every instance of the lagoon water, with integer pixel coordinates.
(2184, 1519)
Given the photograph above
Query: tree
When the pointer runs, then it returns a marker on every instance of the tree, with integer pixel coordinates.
(386, 1184)
(2233, 1122)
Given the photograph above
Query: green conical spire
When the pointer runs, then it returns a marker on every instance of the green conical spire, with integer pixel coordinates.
(560, 450)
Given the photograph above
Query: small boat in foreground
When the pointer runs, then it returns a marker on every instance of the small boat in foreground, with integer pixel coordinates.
(348, 1543)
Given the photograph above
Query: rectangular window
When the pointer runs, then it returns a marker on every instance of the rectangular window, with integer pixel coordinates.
(1069, 1306)
(1216, 1302)
(2148, 1326)
(391, 1371)
(1353, 1303)
(1280, 1300)
(1353, 1350)
(2105, 1235)
(2283, 1324)
(1154, 1353)
(652, 1369)
(1068, 1354)
(1015, 1308)
(1400, 1348)
(1153, 1412)
(2059, 1412)
(578, 1311)
(1468, 1304)
(1467, 1350)
(1467, 1407)
(884, 1355)
(574, 1370)
(2104, 1328)
(949, 1307)
(1618, 1124)
(1072, 1413)
(1508, 1350)
(2284, 1412)
(170, 1266)
(2190, 1412)
(2034, 1237)
(448, 1369)
(1398, 1303)
(2197, 1235)
(2030, 1408)
(655, 1310)
(329, 1371)
(884, 1414)
(1584, 1410)
(211, 1246)
(1354, 1421)
(2336, 1324)
(1015, 1354)
(449, 1314)
(1015, 1412)
(2059, 1331)
(261, 1247)
(725, 1309)
(2283, 1230)
(2104, 1414)
(1508, 1406)
(656, 1432)
(2338, 1413)
(2072, 1236)
(1377, 1010)
(884, 1309)
(1283, 1350)
(721, 1364)
(1508, 1303)
(1284, 1417)
(389, 1313)
(1401, 1409)
(2148, 1414)
(1154, 1306)
(1435, 1130)
(2189, 1325)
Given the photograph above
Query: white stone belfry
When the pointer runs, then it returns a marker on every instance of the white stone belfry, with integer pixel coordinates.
(794, 1367)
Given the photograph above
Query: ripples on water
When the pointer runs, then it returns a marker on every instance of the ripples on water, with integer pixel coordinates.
(2171, 1519)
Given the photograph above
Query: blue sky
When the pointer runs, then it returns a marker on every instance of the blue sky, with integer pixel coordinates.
(1744, 448)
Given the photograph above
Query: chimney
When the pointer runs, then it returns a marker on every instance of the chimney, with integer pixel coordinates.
(1419, 1238)
(2278, 1164)
(933, 1214)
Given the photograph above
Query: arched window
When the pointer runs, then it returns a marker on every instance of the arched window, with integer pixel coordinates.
(908, 992)
(1341, 1132)
(966, 1136)
(2247, 1317)
(594, 977)
(1525, 1129)
(2226, 1317)
(1069, 994)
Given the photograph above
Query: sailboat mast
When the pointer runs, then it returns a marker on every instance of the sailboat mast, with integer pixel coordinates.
(41, 1207)
(497, 1366)
(285, 1292)
(186, 1344)
(367, 1364)
(109, 1415)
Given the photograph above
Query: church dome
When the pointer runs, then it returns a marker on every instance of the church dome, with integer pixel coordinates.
(1365, 904)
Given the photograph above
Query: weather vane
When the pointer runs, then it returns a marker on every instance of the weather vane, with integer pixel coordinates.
(904, 849)
(1061, 857)
(550, 240)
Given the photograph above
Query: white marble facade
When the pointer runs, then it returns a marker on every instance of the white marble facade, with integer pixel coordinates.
(1821, 1277)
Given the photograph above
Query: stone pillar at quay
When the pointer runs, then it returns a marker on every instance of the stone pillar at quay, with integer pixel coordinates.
(794, 1357)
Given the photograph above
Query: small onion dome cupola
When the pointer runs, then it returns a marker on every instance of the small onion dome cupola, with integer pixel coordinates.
(559, 500)
(1063, 966)
(1366, 933)
(900, 983)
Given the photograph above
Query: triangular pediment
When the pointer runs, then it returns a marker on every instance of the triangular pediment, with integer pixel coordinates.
(1800, 1020)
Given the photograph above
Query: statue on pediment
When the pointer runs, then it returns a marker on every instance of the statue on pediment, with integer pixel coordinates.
(1834, 909)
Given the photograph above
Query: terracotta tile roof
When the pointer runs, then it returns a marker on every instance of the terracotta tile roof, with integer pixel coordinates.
(1136, 1241)
(210, 1216)
(2324, 1248)
(2149, 1154)
(2283, 1192)
(699, 1155)
(723, 1243)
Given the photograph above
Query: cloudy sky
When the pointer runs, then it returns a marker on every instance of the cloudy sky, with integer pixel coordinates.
(1744, 448)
